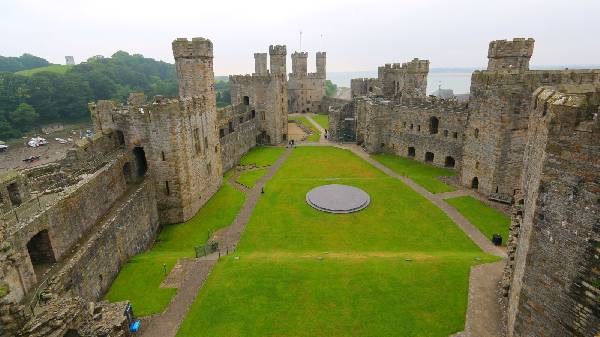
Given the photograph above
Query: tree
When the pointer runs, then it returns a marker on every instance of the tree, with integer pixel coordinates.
(330, 88)
(23, 117)
(7, 131)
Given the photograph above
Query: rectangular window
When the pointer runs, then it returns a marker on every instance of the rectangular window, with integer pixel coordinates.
(221, 133)
(242, 119)
(230, 127)
(262, 115)
(197, 145)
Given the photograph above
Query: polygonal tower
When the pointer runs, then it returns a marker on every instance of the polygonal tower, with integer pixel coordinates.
(194, 63)
(321, 64)
(260, 63)
(515, 54)
(277, 55)
(299, 64)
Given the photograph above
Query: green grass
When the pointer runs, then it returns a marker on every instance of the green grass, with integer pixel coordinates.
(322, 120)
(262, 156)
(315, 136)
(400, 267)
(249, 178)
(423, 174)
(140, 278)
(54, 68)
(488, 220)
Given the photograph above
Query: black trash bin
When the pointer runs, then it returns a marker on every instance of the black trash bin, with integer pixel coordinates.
(497, 239)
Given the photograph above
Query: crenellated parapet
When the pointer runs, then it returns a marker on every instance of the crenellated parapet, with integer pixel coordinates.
(511, 54)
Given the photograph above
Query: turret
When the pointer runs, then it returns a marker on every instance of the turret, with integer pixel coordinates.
(260, 63)
(194, 63)
(277, 55)
(299, 63)
(515, 54)
(321, 64)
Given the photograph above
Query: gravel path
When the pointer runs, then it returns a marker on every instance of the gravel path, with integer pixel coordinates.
(196, 271)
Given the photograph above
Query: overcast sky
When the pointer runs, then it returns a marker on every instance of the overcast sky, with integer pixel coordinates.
(356, 34)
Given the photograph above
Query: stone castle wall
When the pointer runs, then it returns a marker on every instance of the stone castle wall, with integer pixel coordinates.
(497, 125)
(554, 289)
(237, 133)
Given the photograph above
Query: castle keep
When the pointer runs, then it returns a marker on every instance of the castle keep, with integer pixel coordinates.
(305, 90)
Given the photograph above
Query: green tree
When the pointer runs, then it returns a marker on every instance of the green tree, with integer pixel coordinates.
(23, 117)
(330, 88)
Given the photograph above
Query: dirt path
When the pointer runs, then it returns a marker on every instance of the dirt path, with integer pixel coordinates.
(196, 271)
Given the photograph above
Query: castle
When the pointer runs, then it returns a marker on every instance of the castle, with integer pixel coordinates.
(526, 137)
(529, 138)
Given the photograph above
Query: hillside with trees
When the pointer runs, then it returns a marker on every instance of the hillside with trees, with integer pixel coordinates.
(30, 100)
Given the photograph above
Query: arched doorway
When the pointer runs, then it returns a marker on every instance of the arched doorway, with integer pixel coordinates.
(40, 252)
(449, 162)
(429, 157)
(475, 183)
(141, 164)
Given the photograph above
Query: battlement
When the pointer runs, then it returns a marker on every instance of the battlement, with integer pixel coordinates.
(260, 63)
(515, 54)
(299, 54)
(196, 48)
(277, 50)
(547, 77)
(321, 54)
(416, 66)
(581, 102)
(511, 48)
(435, 103)
(251, 78)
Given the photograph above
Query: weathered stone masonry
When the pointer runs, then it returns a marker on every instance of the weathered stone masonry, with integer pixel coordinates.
(555, 289)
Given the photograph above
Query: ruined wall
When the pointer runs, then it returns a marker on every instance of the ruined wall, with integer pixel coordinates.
(434, 126)
(555, 290)
(237, 133)
(497, 125)
(67, 221)
(128, 230)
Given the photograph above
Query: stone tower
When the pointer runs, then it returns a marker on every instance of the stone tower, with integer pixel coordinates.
(515, 54)
(260, 63)
(321, 64)
(194, 63)
(277, 55)
(299, 64)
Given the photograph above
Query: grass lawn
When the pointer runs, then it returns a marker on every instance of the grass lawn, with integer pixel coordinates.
(322, 120)
(249, 178)
(423, 174)
(314, 137)
(488, 220)
(54, 68)
(262, 156)
(400, 267)
(140, 278)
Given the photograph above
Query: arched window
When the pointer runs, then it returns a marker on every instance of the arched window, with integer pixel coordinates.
(246, 100)
(433, 125)
(449, 162)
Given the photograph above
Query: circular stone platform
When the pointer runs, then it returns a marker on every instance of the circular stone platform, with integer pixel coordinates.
(337, 198)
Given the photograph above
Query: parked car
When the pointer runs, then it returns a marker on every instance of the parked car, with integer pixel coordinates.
(31, 159)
